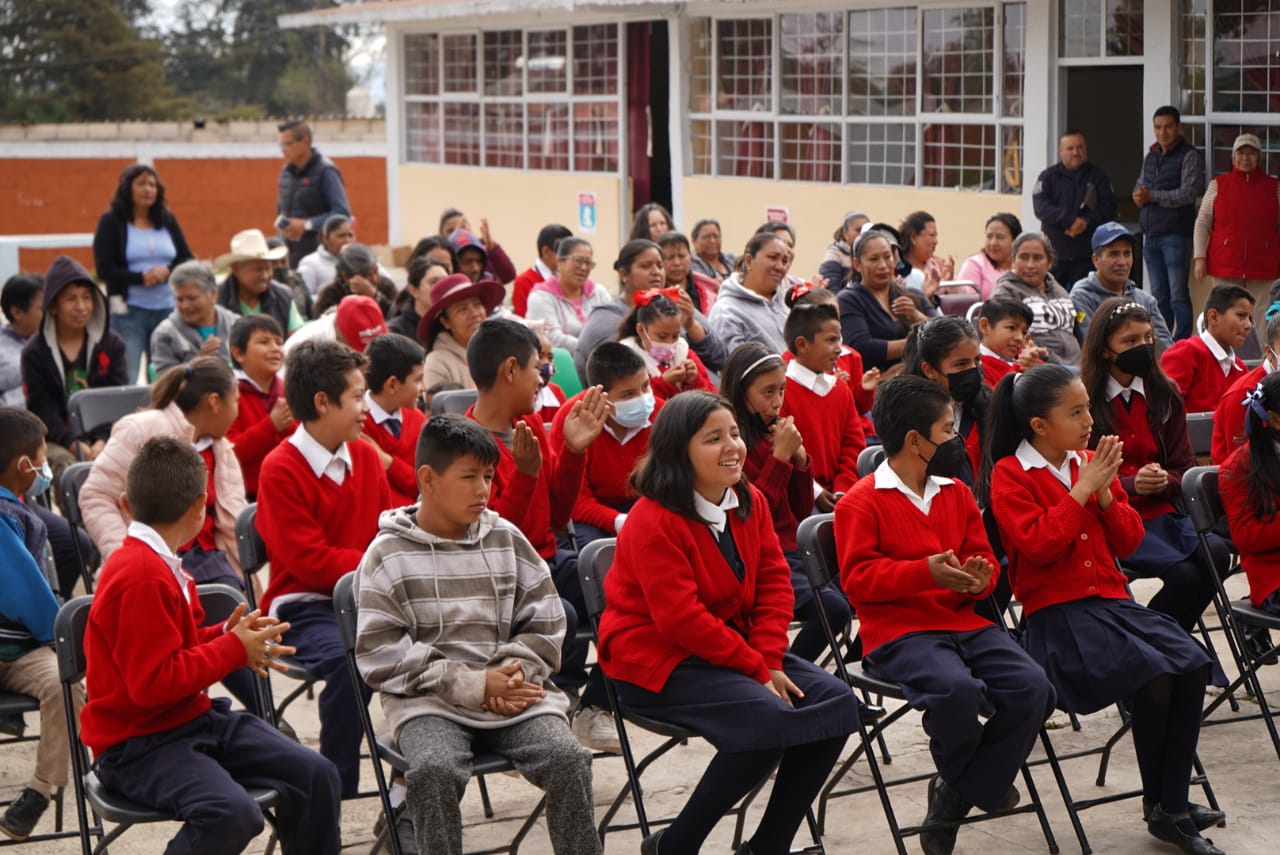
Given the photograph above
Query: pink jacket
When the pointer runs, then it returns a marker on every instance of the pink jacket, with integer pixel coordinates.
(100, 496)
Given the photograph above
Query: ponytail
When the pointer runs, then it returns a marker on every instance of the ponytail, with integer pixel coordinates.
(1017, 399)
(1264, 457)
(187, 385)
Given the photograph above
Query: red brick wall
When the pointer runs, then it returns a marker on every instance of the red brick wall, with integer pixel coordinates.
(212, 199)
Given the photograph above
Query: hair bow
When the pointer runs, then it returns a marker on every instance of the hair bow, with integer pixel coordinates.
(1256, 417)
(644, 298)
(800, 290)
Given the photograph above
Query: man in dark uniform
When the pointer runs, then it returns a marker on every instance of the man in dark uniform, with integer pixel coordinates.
(1072, 198)
(310, 191)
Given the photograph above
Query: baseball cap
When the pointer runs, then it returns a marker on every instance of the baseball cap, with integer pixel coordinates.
(359, 321)
(1246, 140)
(1108, 233)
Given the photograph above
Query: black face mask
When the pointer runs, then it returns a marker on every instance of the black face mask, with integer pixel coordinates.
(965, 385)
(1137, 360)
(948, 458)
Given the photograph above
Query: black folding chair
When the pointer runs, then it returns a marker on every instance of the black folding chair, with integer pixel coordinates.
(453, 401)
(73, 478)
(1200, 431)
(16, 704)
(384, 749)
(869, 459)
(816, 537)
(89, 409)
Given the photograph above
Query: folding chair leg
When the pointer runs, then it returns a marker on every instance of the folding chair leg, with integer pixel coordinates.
(527, 826)
(1065, 791)
(484, 797)
(1034, 795)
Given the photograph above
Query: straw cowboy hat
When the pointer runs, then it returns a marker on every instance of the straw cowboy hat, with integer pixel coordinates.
(250, 245)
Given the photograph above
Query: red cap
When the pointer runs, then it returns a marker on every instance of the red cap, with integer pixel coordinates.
(359, 321)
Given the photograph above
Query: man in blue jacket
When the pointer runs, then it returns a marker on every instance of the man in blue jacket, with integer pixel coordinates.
(1072, 198)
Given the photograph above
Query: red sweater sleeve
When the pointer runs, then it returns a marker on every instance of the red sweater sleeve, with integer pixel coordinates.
(852, 443)
(566, 474)
(867, 573)
(1251, 533)
(1180, 362)
(586, 507)
(254, 438)
(775, 596)
(1043, 534)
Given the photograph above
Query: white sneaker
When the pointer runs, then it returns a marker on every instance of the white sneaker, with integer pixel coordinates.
(594, 728)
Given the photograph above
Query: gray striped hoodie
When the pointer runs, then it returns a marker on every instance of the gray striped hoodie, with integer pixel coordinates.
(434, 613)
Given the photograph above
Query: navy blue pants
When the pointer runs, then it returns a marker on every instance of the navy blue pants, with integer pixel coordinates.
(200, 771)
(314, 631)
(957, 676)
(62, 543)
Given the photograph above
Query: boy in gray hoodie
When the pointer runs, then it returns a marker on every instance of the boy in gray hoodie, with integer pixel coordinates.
(460, 629)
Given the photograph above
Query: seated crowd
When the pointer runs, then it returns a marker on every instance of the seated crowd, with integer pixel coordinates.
(707, 404)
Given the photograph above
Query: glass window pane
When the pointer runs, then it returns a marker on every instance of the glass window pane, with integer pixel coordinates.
(462, 134)
(460, 63)
(1015, 41)
(700, 65)
(595, 60)
(1011, 160)
(422, 64)
(745, 64)
(595, 137)
(882, 154)
(1124, 27)
(958, 57)
(1246, 74)
(422, 132)
(960, 157)
(810, 151)
(1193, 54)
(504, 63)
(548, 61)
(744, 149)
(549, 136)
(812, 63)
(1080, 28)
(700, 146)
(504, 135)
(882, 62)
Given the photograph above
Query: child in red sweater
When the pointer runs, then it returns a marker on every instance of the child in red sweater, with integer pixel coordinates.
(264, 419)
(822, 405)
(914, 560)
(550, 396)
(1205, 365)
(1228, 415)
(606, 494)
(695, 631)
(394, 378)
(158, 739)
(318, 507)
(1005, 346)
(1064, 518)
(849, 366)
(946, 351)
(1250, 485)
(653, 329)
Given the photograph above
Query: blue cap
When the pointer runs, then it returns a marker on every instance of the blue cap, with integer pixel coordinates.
(1109, 233)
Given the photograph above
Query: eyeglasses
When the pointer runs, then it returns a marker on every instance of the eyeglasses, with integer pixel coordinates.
(582, 261)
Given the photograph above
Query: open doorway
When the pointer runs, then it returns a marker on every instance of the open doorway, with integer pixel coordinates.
(648, 114)
(1100, 104)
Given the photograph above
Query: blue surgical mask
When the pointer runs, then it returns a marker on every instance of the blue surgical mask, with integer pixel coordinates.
(44, 479)
(634, 412)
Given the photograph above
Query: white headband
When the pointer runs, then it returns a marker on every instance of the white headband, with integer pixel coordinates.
(761, 361)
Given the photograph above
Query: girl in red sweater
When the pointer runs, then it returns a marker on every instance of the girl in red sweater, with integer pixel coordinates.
(653, 329)
(1132, 397)
(946, 351)
(1064, 518)
(754, 381)
(695, 632)
(1250, 484)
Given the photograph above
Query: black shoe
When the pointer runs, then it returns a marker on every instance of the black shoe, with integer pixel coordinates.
(649, 846)
(869, 713)
(1011, 800)
(1164, 827)
(744, 849)
(23, 814)
(403, 830)
(945, 806)
(1202, 817)
(1258, 644)
(13, 725)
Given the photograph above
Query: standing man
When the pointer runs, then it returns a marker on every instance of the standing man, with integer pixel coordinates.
(1172, 179)
(310, 191)
(1072, 198)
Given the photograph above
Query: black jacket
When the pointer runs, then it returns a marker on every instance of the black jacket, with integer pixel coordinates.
(276, 300)
(1062, 195)
(109, 241)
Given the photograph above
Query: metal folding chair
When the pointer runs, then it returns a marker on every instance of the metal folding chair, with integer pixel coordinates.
(73, 478)
(869, 459)
(89, 409)
(16, 704)
(454, 401)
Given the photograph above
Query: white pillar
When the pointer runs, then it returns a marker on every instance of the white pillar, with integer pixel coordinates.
(1040, 108)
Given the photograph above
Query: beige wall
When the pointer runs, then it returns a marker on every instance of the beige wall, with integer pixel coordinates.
(516, 203)
(817, 209)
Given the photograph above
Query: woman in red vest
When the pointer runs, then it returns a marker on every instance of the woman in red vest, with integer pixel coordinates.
(1237, 237)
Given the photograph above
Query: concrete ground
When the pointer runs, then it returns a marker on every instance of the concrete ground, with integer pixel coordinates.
(1241, 763)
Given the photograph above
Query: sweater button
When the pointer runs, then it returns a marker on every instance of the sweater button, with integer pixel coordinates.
(1084, 535)
(1092, 589)
(1088, 563)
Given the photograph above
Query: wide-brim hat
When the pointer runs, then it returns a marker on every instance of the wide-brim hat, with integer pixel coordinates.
(452, 289)
(250, 245)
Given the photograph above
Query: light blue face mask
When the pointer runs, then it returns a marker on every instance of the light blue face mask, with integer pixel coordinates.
(634, 412)
(44, 479)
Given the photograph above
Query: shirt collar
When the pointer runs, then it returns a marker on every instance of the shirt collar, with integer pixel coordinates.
(202, 443)
(986, 351)
(543, 270)
(1114, 388)
(716, 516)
(379, 415)
(241, 375)
(818, 384)
(1030, 459)
(317, 456)
(1226, 358)
(152, 538)
(887, 479)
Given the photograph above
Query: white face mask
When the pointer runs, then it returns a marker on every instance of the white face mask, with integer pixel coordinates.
(634, 412)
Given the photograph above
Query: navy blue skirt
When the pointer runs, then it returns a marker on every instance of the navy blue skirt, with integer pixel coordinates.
(1097, 652)
(735, 713)
(1170, 539)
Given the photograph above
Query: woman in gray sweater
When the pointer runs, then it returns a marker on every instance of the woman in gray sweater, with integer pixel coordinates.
(1054, 315)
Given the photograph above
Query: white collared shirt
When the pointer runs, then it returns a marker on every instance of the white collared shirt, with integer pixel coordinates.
(545, 398)
(1030, 459)
(1114, 388)
(819, 384)
(322, 462)
(152, 538)
(716, 516)
(240, 375)
(375, 409)
(888, 479)
(1226, 358)
(543, 270)
(202, 443)
(983, 350)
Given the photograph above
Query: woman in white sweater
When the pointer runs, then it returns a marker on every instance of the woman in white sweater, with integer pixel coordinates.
(563, 301)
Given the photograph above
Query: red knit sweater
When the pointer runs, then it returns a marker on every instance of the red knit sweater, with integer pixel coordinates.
(832, 431)
(1198, 375)
(316, 530)
(253, 434)
(850, 362)
(666, 390)
(1171, 449)
(1257, 539)
(1228, 416)
(788, 489)
(537, 505)
(402, 475)
(884, 543)
(606, 471)
(672, 595)
(1060, 551)
(993, 368)
(520, 290)
(148, 660)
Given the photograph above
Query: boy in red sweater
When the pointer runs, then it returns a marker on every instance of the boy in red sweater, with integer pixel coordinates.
(321, 494)
(822, 406)
(394, 377)
(1204, 366)
(264, 419)
(1228, 415)
(1002, 327)
(914, 560)
(158, 738)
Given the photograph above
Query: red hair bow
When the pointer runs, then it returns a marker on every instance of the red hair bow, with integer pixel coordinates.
(644, 298)
(800, 290)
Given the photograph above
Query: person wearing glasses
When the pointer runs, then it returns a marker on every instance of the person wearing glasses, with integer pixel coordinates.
(310, 191)
(562, 302)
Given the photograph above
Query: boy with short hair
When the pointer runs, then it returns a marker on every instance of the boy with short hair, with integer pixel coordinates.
(1228, 415)
(914, 560)
(1002, 329)
(1205, 365)
(27, 609)
(319, 498)
(394, 378)
(460, 628)
(822, 406)
(158, 738)
(20, 301)
(264, 419)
